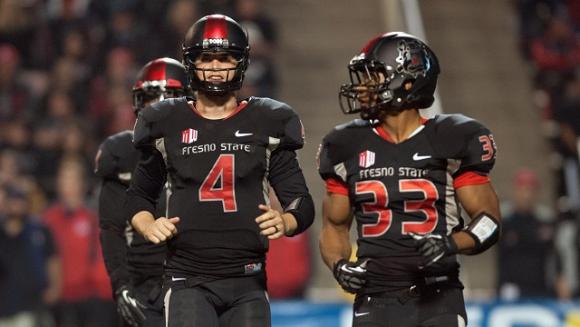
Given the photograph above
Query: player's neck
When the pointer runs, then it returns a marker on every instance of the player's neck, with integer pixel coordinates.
(402, 125)
(211, 107)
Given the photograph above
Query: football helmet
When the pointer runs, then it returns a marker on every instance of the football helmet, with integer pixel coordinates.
(393, 72)
(159, 79)
(216, 34)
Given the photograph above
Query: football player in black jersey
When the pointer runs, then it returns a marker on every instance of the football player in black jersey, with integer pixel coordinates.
(405, 178)
(218, 155)
(135, 266)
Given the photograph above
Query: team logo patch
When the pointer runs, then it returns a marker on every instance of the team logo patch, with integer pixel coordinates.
(366, 159)
(188, 136)
(252, 268)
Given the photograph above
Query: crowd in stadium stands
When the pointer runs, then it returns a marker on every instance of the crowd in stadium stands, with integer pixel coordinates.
(539, 254)
(66, 72)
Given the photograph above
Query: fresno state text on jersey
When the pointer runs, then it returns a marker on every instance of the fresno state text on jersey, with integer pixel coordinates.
(409, 187)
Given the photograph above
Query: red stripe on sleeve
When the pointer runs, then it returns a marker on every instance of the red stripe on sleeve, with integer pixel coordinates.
(469, 178)
(336, 186)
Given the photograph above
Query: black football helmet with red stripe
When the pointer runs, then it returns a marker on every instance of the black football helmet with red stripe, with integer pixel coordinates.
(380, 76)
(159, 79)
(216, 34)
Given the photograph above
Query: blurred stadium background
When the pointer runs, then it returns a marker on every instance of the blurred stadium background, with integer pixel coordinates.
(67, 67)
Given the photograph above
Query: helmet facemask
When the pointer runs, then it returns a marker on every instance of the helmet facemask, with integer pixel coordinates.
(152, 92)
(199, 76)
(394, 72)
(369, 91)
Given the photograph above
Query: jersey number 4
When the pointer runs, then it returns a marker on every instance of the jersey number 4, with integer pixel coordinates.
(219, 184)
(380, 206)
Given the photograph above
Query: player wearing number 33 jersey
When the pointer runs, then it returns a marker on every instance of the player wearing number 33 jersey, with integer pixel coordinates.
(405, 178)
(398, 189)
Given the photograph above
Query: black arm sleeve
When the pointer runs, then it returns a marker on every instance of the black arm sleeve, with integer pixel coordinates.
(288, 182)
(147, 182)
(112, 223)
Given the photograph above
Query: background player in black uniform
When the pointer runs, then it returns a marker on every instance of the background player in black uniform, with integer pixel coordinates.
(218, 155)
(404, 177)
(135, 266)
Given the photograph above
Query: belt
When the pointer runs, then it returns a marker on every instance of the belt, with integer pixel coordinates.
(427, 285)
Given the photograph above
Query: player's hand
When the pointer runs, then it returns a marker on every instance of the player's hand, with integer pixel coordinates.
(161, 230)
(129, 307)
(433, 247)
(350, 275)
(271, 223)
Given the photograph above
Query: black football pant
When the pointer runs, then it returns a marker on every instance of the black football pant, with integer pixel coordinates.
(149, 293)
(230, 302)
(427, 307)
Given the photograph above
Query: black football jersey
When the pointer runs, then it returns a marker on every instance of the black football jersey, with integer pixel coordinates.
(397, 189)
(218, 172)
(127, 254)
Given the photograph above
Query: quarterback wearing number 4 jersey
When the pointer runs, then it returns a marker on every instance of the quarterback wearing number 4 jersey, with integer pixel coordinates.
(219, 155)
(218, 171)
(405, 178)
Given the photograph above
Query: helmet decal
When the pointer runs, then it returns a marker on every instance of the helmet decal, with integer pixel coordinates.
(215, 32)
(154, 72)
(412, 59)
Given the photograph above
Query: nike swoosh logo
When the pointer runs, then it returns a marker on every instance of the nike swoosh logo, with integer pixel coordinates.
(173, 279)
(360, 314)
(417, 157)
(240, 134)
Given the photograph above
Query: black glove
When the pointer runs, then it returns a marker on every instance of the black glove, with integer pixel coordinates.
(129, 307)
(350, 275)
(433, 247)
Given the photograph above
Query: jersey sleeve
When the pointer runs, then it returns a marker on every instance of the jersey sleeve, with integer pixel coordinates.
(479, 153)
(106, 164)
(293, 137)
(330, 167)
(283, 124)
(477, 157)
(147, 183)
(150, 123)
(112, 223)
(288, 182)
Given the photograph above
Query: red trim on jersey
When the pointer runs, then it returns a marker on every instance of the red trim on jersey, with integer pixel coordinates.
(469, 178)
(336, 186)
(380, 130)
(383, 134)
(215, 28)
(241, 106)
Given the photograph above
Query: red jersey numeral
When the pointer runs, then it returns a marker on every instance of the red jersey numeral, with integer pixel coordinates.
(488, 146)
(379, 206)
(426, 205)
(219, 184)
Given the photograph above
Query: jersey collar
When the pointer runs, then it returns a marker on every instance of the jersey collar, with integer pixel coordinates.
(241, 105)
(380, 131)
